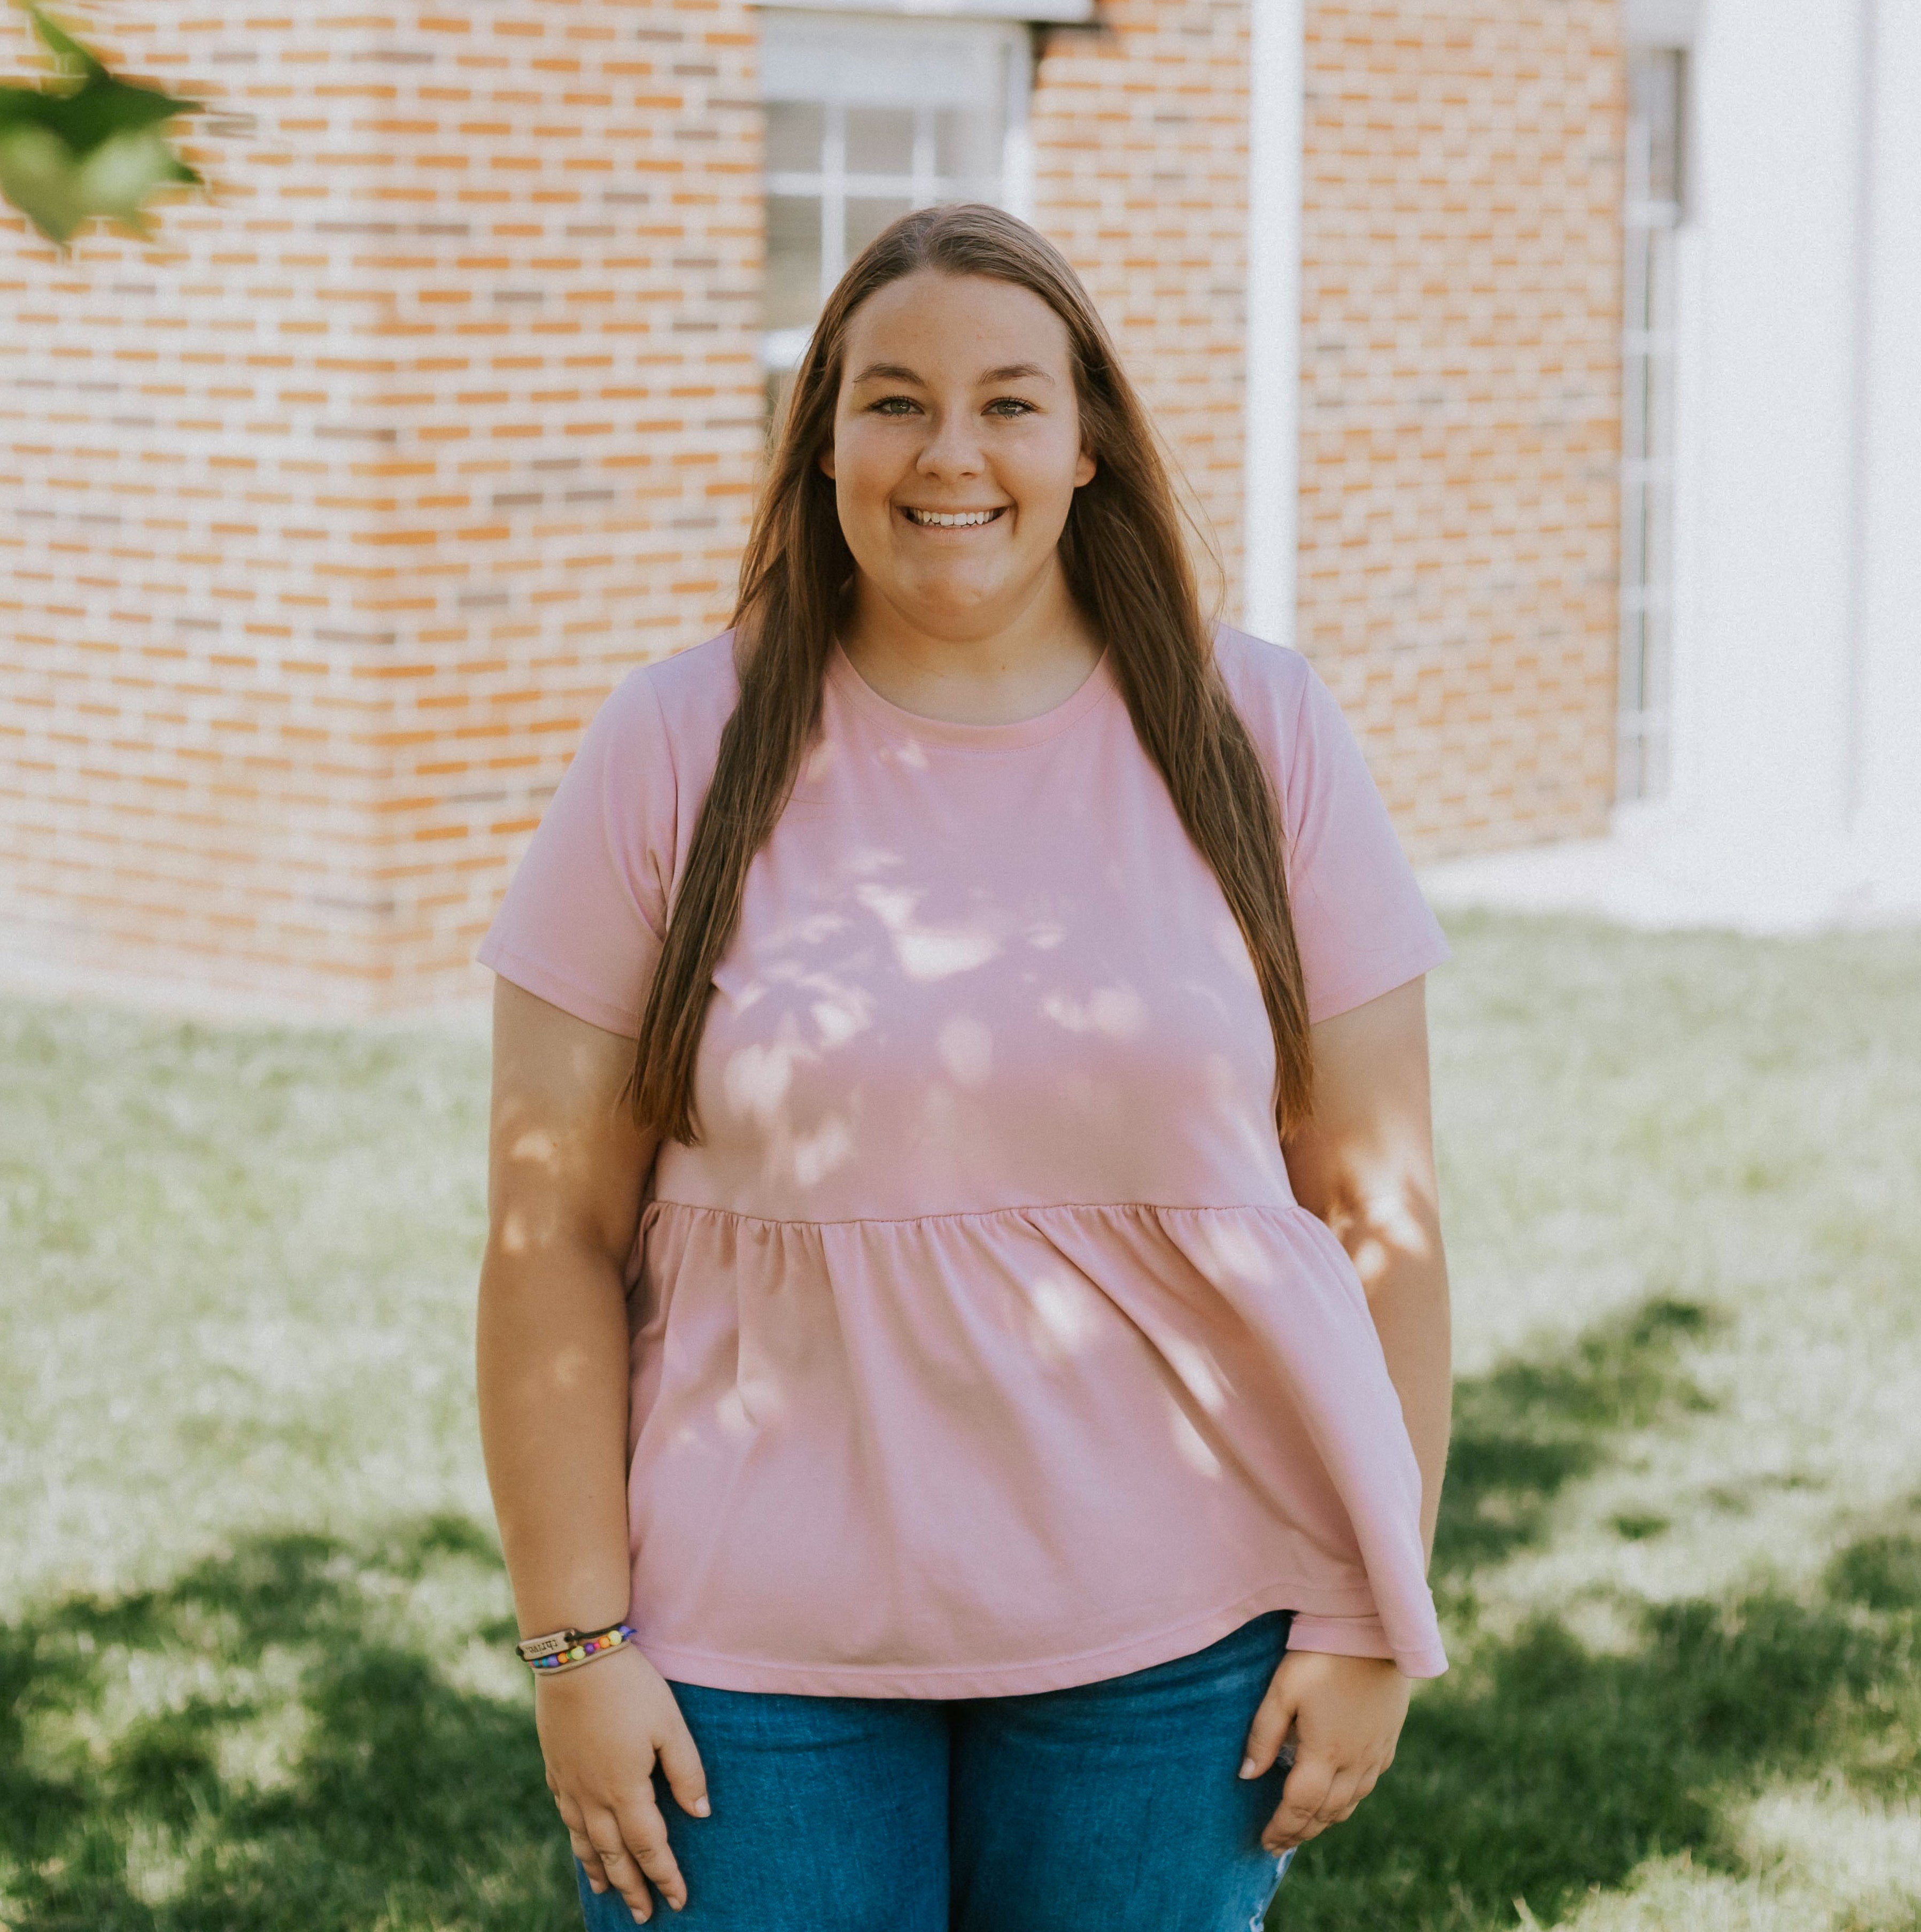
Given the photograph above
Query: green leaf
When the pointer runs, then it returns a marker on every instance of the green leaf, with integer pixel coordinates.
(66, 48)
(69, 153)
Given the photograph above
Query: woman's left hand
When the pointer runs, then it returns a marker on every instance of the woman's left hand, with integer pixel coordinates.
(1345, 1714)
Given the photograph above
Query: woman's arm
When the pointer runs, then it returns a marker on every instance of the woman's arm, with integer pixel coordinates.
(566, 1168)
(1364, 1164)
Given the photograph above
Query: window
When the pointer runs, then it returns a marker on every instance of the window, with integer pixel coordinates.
(868, 117)
(1655, 185)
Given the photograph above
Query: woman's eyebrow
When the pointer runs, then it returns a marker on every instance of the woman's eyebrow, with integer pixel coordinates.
(899, 372)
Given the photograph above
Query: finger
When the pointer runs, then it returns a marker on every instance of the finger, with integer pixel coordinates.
(577, 1840)
(623, 1870)
(583, 1848)
(1362, 1788)
(1271, 1722)
(1342, 1796)
(687, 1778)
(645, 1831)
(1296, 1820)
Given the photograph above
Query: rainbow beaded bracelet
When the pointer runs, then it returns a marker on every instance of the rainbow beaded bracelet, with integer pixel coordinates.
(563, 1650)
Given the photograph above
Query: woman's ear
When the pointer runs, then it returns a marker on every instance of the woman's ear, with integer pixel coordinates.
(1083, 470)
(826, 458)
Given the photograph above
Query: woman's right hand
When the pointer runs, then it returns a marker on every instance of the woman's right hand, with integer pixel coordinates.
(603, 1727)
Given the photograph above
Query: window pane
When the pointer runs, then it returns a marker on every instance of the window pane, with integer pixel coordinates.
(792, 294)
(793, 136)
(967, 151)
(868, 214)
(1655, 98)
(880, 141)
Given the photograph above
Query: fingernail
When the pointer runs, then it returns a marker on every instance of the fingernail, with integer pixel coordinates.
(1247, 1767)
(702, 1809)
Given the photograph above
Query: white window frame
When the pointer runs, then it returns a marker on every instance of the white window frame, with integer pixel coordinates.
(1059, 12)
(1649, 395)
(837, 85)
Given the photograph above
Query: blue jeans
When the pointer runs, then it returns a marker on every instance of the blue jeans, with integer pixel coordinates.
(1112, 1806)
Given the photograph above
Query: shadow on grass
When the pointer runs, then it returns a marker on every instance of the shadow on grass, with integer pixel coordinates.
(1539, 1768)
(283, 1740)
(1524, 1432)
(1549, 1769)
(272, 1743)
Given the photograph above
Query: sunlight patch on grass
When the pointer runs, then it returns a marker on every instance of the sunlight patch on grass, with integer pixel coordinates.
(254, 1664)
(1729, 1123)
(1818, 1859)
(239, 1269)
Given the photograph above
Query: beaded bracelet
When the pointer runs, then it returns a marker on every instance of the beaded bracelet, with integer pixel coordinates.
(565, 1650)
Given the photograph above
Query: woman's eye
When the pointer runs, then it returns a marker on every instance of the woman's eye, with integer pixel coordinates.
(894, 406)
(1010, 406)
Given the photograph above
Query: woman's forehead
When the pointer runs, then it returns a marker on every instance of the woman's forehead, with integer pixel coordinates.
(958, 324)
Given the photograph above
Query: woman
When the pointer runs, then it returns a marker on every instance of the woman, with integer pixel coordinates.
(899, 1310)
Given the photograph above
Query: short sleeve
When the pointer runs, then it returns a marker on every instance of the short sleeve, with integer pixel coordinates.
(1344, 1636)
(1360, 921)
(582, 923)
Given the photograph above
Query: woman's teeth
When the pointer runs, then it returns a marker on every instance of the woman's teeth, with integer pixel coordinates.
(958, 519)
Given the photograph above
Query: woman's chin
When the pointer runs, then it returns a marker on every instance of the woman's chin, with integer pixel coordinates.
(956, 605)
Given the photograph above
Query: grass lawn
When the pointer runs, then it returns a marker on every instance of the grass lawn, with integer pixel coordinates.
(253, 1672)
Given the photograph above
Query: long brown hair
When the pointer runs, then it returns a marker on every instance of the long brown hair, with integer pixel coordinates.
(1127, 568)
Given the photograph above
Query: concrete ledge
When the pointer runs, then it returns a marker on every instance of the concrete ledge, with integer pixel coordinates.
(1668, 875)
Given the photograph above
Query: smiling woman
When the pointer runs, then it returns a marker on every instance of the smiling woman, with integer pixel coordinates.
(964, 1306)
(954, 474)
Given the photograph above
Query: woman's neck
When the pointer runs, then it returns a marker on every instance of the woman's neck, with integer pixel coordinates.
(997, 675)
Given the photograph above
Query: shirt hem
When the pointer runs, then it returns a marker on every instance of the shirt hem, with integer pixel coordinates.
(995, 1213)
(1371, 981)
(531, 976)
(679, 1665)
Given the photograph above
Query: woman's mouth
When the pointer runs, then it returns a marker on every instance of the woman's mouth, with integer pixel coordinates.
(950, 519)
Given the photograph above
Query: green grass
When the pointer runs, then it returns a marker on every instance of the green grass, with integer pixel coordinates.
(251, 1610)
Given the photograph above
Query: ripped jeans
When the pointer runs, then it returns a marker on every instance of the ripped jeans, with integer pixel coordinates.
(1112, 1806)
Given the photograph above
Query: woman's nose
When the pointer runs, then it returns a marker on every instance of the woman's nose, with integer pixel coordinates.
(952, 448)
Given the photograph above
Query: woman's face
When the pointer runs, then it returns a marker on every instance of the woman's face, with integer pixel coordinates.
(957, 449)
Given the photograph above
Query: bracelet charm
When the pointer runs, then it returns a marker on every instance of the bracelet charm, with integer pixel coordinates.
(566, 1649)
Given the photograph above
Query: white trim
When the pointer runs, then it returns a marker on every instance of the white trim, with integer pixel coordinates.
(1063, 12)
(1854, 724)
(1017, 152)
(1271, 471)
(1660, 23)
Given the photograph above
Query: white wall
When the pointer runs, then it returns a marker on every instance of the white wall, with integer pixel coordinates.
(1797, 791)
(1774, 197)
(1888, 805)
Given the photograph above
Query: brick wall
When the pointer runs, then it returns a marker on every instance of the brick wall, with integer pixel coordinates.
(1140, 176)
(1461, 405)
(329, 517)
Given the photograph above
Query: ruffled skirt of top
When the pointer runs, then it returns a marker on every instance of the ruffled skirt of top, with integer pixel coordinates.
(979, 1454)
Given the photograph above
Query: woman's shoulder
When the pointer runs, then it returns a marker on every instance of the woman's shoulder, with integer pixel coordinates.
(674, 707)
(1267, 682)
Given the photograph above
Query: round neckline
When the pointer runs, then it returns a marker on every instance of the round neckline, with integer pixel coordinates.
(905, 723)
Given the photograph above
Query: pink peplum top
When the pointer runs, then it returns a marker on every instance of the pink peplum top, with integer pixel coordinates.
(981, 1347)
